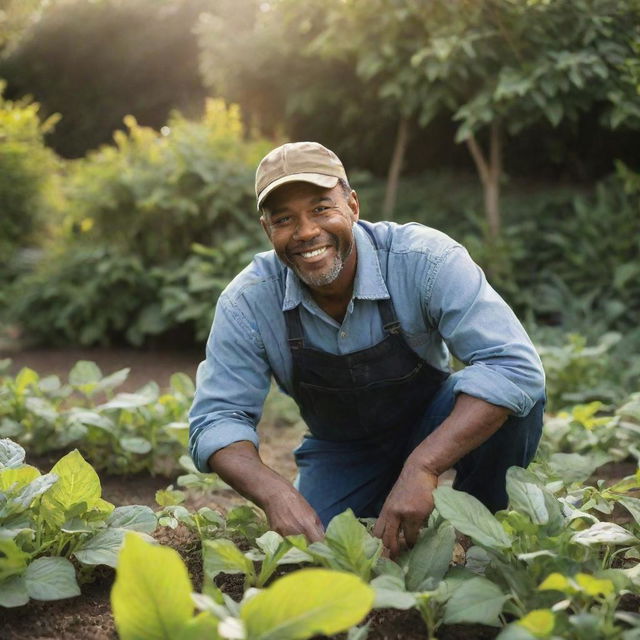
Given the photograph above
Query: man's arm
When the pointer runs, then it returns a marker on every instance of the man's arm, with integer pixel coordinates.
(231, 386)
(471, 422)
(503, 376)
(288, 512)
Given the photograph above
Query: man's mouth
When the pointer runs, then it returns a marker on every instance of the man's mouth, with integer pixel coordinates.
(313, 253)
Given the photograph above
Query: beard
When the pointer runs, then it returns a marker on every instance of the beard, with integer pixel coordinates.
(329, 274)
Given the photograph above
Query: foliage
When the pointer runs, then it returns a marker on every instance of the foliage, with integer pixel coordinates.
(153, 194)
(48, 519)
(122, 432)
(151, 598)
(95, 62)
(539, 537)
(26, 166)
(98, 295)
(499, 65)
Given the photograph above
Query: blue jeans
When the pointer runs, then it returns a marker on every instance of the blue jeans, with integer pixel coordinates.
(334, 476)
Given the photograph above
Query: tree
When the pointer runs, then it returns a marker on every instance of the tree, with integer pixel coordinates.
(497, 66)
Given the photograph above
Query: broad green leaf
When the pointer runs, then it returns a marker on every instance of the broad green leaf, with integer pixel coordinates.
(594, 586)
(50, 384)
(223, 556)
(51, 579)
(476, 601)
(35, 488)
(469, 516)
(144, 396)
(306, 603)
(10, 428)
(13, 592)
(84, 372)
(430, 557)
(539, 622)
(11, 454)
(77, 482)
(353, 548)
(135, 445)
(86, 417)
(526, 495)
(134, 518)
(13, 560)
(17, 477)
(151, 595)
(112, 381)
(391, 592)
(604, 533)
(269, 542)
(26, 378)
(183, 384)
(85, 376)
(576, 467)
(103, 548)
(556, 582)
(632, 505)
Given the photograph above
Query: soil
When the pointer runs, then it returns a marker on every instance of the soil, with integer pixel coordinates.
(88, 617)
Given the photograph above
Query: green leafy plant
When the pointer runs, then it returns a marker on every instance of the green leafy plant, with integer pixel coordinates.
(48, 519)
(519, 548)
(121, 432)
(152, 598)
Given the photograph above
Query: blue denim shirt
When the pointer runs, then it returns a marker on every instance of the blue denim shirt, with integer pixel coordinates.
(441, 297)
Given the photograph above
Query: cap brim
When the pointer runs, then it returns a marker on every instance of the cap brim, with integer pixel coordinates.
(319, 179)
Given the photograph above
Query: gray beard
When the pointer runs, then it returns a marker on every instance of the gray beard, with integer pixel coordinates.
(322, 279)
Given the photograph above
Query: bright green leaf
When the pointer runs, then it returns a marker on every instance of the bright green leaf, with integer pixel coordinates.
(306, 603)
(151, 597)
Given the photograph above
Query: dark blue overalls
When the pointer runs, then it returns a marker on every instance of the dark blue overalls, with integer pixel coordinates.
(368, 410)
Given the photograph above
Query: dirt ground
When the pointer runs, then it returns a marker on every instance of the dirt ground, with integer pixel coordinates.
(88, 617)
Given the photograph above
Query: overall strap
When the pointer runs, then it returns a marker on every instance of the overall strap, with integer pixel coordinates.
(295, 333)
(390, 321)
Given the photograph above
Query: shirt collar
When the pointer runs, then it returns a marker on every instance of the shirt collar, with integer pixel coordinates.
(368, 285)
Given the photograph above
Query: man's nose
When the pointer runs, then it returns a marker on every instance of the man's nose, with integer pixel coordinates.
(306, 229)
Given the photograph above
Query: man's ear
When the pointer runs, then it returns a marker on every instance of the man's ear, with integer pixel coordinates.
(354, 204)
(265, 226)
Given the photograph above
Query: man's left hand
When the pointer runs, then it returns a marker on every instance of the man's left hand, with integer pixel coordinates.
(407, 507)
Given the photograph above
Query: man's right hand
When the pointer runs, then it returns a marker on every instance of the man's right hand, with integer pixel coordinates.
(289, 513)
(240, 466)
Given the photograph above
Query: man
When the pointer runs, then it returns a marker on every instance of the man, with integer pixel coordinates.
(355, 321)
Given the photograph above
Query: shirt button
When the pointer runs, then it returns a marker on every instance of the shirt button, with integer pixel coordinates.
(343, 334)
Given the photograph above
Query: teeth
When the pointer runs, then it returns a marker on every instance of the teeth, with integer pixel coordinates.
(316, 252)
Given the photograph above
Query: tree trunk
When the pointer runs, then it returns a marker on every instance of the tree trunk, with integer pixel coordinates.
(490, 173)
(395, 168)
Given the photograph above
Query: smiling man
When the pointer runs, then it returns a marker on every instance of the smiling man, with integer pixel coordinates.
(356, 321)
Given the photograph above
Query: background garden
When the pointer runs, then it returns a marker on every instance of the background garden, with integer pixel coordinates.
(129, 135)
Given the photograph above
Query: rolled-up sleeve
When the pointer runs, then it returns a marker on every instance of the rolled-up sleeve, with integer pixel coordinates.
(481, 330)
(231, 385)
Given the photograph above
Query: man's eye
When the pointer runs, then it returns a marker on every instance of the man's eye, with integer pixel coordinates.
(320, 209)
(280, 221)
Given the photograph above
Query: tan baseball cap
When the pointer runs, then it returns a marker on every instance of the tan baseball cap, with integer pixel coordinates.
(298, 162)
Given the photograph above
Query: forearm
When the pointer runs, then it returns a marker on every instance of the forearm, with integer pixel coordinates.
(471, 422)
(240, 466)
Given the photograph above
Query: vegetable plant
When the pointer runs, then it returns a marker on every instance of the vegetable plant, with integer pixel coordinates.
(152, 597)
(45, 520)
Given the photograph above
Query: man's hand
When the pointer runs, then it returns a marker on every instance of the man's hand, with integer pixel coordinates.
(407, 507)
(289, 513)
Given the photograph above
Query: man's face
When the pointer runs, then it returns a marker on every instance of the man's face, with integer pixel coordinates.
(310, 229)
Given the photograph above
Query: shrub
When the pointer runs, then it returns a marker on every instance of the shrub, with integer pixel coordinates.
(26, 167)
(154, 194)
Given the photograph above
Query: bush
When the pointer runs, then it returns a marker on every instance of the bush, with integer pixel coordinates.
(26, 167)
(154, 194)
